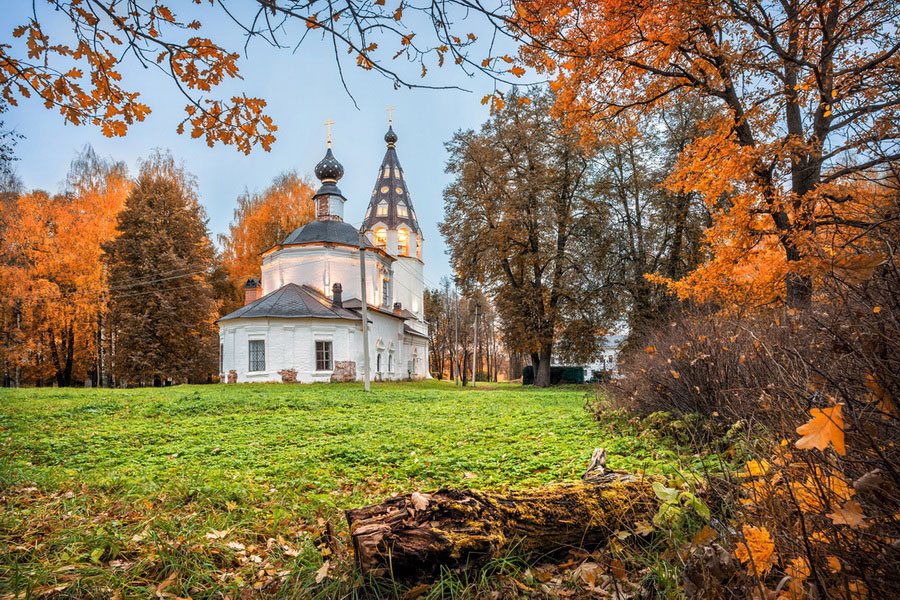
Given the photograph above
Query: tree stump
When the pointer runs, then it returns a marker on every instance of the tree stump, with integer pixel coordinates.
(413, 535)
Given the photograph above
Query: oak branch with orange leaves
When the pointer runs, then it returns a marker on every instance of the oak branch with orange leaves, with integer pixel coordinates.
(80, 73)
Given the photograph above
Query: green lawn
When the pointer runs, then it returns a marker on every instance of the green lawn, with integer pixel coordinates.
(115, 492)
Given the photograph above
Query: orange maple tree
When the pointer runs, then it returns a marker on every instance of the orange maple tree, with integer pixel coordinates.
(809, 102)
(52, 279)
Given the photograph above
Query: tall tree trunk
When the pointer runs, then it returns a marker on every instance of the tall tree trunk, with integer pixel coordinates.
(541, 362)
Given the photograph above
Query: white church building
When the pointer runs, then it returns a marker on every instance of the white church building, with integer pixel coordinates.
(303, 321)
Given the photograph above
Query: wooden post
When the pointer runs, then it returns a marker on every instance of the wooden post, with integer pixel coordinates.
(365, 309)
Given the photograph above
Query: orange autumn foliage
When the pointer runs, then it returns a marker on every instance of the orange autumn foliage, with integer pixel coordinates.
(262, 220)
(807, 113)
(81, 74)
(757, 550)
(52, 276)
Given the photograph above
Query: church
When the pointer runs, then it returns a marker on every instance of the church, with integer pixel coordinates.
(302, 321)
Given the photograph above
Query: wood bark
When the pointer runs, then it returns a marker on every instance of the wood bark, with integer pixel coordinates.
(412, 536)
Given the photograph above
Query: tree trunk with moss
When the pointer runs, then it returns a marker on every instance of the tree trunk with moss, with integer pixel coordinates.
(414, 535)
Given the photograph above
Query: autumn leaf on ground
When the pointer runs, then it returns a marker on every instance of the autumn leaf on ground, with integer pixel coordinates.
(161, 588)
(826, 425)
(849, 514)
(322, 573)
(758, 551)
(704, 536)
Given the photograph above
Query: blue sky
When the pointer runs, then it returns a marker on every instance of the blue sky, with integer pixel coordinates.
(303, 91)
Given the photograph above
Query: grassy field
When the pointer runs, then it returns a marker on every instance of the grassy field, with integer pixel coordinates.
(222, 491)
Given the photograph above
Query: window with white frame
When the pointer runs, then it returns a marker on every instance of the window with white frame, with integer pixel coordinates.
(257, 355)
(391, 362)
(378, 363)
(382, 210)
(323, 356)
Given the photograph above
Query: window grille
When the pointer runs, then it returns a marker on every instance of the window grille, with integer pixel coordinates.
(257, 355)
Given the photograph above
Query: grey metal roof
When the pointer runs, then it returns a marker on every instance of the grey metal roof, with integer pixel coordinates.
(335, 232)
(390, 190)
(356, 304)
(292, 301)
(410, 331)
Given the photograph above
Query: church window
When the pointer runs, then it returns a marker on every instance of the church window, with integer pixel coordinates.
(257, 355)
(385, 291)
(399, 190)
(378, 363)
(396, 172)
(402, 211)
(323, 356)
(402, 242)
(387, 172)
(390, 363)
(381, 236)
(382, 210)
(384, 189)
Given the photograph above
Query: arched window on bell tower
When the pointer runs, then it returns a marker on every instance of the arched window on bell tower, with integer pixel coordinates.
(381, 238)
(402, 242)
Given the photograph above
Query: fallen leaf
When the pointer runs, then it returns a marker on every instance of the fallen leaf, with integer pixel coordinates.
(869, 482)
(420, 501)
(217, 534)
(833, 563)
(416, 592)
(161, 588)
(705, 536)
(643, 528)
(850, 514)
(236, 546)
(826, 425)
(617, 568)
(322, 573)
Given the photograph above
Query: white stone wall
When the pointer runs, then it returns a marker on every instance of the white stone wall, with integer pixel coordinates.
(290, 344)
(409, 287)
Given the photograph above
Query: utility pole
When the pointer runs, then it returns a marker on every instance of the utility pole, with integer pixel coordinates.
(456, 335)
(475, 349)
(365, 309)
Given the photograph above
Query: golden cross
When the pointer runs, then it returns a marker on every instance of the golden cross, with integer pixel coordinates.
(328, 124)
(390, 110)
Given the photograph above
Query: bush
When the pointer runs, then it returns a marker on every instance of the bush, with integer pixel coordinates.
(817, 516)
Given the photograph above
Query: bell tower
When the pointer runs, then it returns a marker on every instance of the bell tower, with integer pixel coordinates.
(390, 223)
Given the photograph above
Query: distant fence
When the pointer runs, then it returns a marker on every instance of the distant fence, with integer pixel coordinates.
(558, 375)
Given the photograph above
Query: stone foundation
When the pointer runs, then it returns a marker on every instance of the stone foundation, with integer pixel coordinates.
(344, 370)
(288, 376)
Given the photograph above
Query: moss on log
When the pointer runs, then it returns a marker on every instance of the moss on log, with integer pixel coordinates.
(413, 535)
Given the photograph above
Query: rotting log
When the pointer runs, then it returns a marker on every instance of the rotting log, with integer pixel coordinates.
(413, 535)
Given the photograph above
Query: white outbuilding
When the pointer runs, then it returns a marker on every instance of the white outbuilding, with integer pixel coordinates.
(302, 320)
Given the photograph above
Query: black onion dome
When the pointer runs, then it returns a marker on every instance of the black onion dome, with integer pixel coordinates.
(390, 137)
(329, 168)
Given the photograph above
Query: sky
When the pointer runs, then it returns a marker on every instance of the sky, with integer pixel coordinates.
(303, 90)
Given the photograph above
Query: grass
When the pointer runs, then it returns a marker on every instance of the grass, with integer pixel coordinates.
(225, 491)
